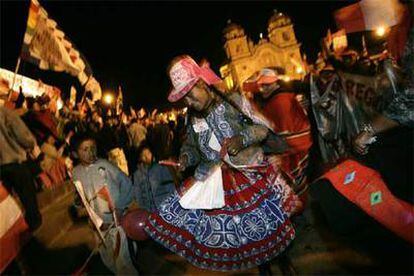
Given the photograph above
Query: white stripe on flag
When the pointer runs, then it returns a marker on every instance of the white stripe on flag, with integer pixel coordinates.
(9, 213)
(379, 13)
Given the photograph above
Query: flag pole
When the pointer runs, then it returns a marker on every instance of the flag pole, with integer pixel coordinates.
(84, 90)
(18, 60)
(14, 78)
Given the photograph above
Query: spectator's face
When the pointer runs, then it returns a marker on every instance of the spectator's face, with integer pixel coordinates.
(51, 140)
(36, 106)
(198, 98)
(267, 89)
(87, 152)
(146, 156)
(326, 75)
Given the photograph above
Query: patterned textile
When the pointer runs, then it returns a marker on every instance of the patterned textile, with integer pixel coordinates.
(225, 121)
(366, 189)
(251, 229)
(253, 226)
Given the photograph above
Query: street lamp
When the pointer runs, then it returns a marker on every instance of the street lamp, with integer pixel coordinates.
(108, 98)
(380, 31)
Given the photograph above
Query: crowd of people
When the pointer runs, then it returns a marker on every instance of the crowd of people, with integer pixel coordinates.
(236, 165)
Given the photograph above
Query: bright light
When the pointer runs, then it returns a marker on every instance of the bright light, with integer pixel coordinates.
(284, 77)
(380, 31)
(108, 98)
(299, 70)
(59, 103)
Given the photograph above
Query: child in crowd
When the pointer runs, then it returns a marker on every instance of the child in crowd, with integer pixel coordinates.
(109, 192)
(152, 182)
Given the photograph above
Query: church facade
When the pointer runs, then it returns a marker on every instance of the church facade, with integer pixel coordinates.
(279, 50)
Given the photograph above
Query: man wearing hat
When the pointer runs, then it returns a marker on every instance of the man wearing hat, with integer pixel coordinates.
(246, 222)
(276, 100)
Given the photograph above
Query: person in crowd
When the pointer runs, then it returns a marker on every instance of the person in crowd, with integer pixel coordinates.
(243, 221)
(39, 119)
(160, 138)
(276, 100)
(400, 105)
(109, 192)
(152, 182)
(112, 139)
(53, 162)
(336, 117)
(16, 142)
(390, 132)
(137, 134)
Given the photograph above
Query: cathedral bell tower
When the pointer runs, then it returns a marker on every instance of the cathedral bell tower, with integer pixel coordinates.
(282, 35)
(280, 30)
(236, 44)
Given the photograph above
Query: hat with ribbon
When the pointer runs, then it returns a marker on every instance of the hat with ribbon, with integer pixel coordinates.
(264, 76)
(185, 73)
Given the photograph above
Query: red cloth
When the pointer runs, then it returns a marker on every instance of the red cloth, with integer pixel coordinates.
(286, 113)
(398, 35)
(365, 188)
(41, 124)
(55, 176)
(289, 119)
(47, 120)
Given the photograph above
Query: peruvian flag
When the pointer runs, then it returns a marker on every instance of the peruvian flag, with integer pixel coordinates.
(368, 15)
(104, 194)
(13, 229)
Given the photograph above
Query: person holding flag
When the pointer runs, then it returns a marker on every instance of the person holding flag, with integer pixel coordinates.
(109, 192)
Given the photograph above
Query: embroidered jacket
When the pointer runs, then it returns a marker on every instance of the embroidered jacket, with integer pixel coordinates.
(225, 122)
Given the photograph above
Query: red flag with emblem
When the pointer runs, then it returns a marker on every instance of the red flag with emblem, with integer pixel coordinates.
(104, 194)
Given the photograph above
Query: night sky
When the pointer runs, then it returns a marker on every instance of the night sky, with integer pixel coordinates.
(130, 43)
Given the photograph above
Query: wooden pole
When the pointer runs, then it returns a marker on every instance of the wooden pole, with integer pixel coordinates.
(14, 78)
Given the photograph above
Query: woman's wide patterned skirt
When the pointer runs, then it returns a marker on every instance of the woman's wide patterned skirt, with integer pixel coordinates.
(251, 229)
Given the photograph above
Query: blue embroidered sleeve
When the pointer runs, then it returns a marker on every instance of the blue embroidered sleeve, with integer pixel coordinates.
(253, 134)
(202, 170)
(189, 149)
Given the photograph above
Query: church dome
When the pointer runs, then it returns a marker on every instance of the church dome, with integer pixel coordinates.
(232, 30)
(279, 19)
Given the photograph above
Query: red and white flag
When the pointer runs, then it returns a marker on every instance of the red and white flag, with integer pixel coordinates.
(13, 228)
(368, 15)
(104, 194)
(339, 40)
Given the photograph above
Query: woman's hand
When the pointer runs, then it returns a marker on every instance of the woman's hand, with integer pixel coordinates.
(275, 160)
(361, 141)
(234, 144)
(182, 163)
